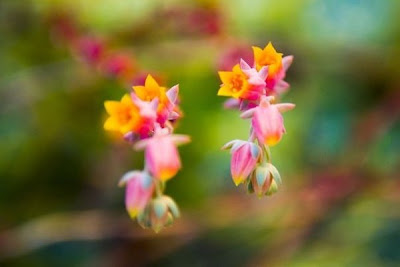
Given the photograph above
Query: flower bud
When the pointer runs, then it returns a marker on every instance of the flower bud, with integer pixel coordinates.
(261, 180)
(139, 189)
(161, 155)
(264, 180)
(160, 213)
(267, 123)
(244, 159)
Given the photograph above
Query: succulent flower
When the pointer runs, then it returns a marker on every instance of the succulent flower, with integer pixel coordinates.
(124, 116)
(139, 189)
(267, 120)
(277, 67)
(252, 91)
(244, 159)
(161, 155)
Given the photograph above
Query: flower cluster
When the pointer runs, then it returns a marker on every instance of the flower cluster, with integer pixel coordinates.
(254, 91)
(145, 119)
(95, 51)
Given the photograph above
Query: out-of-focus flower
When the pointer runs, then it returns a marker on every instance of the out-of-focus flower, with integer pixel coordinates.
(232, 56)
(244, 159)
(119, 66)
(161, 155)
(90, 49)
(124, 116)
(139, 189)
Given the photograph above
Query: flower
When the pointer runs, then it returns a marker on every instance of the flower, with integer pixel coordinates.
(151, 90)
(124, 115)
(119, 65)
(277, 67)
(232, 55)
(90, 49)
(268, 57)
(139, 189)
(166, 99)
(161, 154)
(242, 82)
(267, 120)
(244, 159)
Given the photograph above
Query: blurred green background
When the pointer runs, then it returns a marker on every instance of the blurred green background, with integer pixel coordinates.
(340, 163)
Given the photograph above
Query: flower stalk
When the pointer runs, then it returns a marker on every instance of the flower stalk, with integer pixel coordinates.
(145, 119)
(254, 90)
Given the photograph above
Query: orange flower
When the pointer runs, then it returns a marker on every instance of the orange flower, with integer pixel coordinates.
(235, 83)
(151, 90)
(124, 115)
(268, 57)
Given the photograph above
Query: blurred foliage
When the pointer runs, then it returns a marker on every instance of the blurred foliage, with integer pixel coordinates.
(56, 158)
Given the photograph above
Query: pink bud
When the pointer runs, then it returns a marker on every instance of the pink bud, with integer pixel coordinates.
(162, 157)
(244, 159)
(161, 154)
(139, 189)
(267, 123)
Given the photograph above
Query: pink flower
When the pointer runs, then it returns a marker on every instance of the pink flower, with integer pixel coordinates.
(161, 154)
(244, 159)
(139, 189)
(267, 120)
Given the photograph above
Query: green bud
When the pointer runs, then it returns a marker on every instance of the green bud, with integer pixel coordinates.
(159, 207)
(273, 188)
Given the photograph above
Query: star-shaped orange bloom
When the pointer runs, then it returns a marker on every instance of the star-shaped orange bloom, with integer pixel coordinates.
(235, 83)
(151, 90)
(124, 115)
(268, 57)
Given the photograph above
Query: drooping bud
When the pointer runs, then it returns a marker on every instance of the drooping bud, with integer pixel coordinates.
(161, 155)
(139, 188)
(160, 212)
(265, 180)
(244, 159)
(261, 180)
(267, 123)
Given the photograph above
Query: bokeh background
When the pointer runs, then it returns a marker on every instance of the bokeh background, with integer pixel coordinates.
(340, 163)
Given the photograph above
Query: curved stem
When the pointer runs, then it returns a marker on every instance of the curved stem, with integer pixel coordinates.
(267, 153)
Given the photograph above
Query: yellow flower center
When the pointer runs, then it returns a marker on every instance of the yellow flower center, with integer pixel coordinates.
(236, 83)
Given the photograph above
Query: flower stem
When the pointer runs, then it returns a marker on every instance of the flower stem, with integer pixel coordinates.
(267, 152)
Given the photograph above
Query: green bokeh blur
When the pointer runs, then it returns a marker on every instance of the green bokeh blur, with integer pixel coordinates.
(339, 160)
